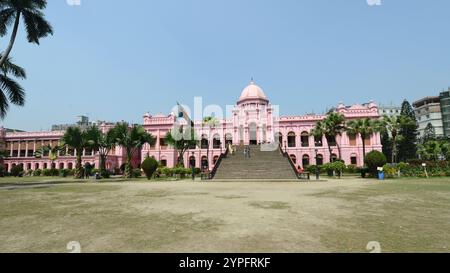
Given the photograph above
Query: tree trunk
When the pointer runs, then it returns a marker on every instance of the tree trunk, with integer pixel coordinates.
(79, 173)
(103, 164)
(364, 150)
(11, 41)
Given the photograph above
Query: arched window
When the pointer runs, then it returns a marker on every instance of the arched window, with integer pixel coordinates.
(331, 140)
(294, 159)
(70, 166)
(45, 166)
(215, 159)
(319, 160)
(36, 166)
(305, 161)
(205, 162)
(216, 141)
(354, 159)
(368, 141)
(334, 157)
(305, 139)
(318, 141)
(291, 140)
(61, 166)
(192, 162)
(204, 143)
(6, 167)
(28, 166)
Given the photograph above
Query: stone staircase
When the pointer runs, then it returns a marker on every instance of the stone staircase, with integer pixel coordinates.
(262, 165)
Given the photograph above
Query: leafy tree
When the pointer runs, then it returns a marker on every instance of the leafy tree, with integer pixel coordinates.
(374, 160)
(182, 140)
(102, 143)
(78, 140)
(409, 133)
(429, 134)
(11, 11)
(365, 128)
(149, 166)
(10, 90)
(132, 139)
(17, 171)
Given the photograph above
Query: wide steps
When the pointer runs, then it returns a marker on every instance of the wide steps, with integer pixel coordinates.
(271, 165)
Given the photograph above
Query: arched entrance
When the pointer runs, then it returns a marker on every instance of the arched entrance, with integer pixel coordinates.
(192, 162)
(253, 129)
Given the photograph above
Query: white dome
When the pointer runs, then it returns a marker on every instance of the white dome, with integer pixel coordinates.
(253, 91)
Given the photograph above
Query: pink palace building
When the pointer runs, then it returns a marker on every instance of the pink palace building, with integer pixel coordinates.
(253, 121)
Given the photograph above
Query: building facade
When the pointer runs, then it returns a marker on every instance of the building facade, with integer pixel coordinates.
(445, 109)
(390, 110)
(253, 121)
(428, 111)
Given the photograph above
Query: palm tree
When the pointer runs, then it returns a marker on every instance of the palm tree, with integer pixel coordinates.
(51, 151)
(132, 139)
(78, 140)
(33, 18)
(335, 125)
(9, 88)
(182, 140)
(365, 128)
(393, 125)
(103, 143)
(331, 127)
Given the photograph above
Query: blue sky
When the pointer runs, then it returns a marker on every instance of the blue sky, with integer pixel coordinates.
(115, 60)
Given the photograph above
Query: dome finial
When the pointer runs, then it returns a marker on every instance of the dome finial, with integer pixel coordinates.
(252, 81)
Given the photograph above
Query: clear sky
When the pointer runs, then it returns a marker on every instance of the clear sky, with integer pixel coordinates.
(115, 60)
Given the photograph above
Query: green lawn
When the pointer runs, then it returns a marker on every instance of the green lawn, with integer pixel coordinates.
(405, 215)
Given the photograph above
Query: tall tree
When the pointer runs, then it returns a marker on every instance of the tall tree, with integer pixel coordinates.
(132, 139)
(392, 126)
(409, 133)
(102, 143)
(11, 11)
(182, 140)
(386, 142)
(365, 129)
(10, 90)
(78, 140)
(429, 134)
(330, 128)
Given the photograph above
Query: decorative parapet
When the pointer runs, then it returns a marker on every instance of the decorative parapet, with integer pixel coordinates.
(159, 119)
(24, 135)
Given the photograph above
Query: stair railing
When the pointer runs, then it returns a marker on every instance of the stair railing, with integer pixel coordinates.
(285, 154)
(217, 165)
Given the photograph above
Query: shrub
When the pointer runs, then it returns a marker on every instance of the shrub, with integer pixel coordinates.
(137, 173)
(338, 167)
(168, 172)
(17, 171)
(37, 172)
(29, 172)
(352, 168)
(47, 172)
(64, 172)
(2, 171)
(374, 160)
(390, 171)
(149, 166)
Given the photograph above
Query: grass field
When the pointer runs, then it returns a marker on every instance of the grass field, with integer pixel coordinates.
(44, 214)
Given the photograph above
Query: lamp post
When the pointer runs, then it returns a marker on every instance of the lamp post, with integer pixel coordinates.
(285, 146)
(317, 165)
